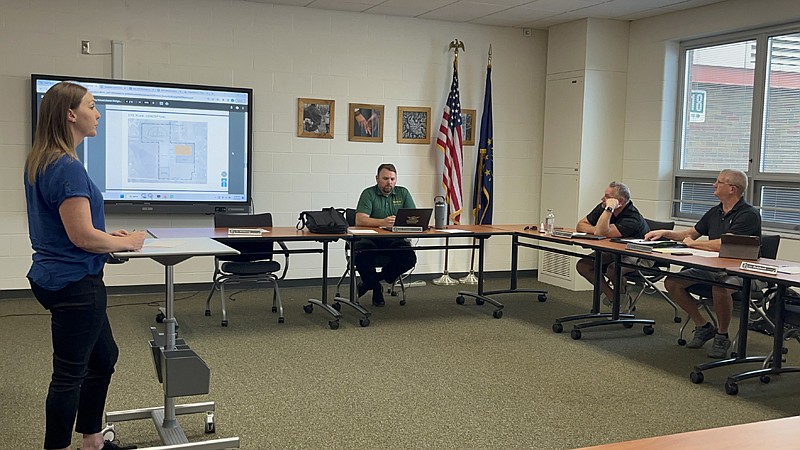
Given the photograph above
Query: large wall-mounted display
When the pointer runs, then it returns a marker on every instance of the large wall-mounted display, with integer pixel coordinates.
(166, 147)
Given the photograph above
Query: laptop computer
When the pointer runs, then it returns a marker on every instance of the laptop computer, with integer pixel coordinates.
(411, 220)
(739, 247)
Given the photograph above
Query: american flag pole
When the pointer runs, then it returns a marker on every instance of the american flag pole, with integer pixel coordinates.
(451, 145)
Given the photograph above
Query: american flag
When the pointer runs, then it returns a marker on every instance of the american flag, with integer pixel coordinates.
(449, 142)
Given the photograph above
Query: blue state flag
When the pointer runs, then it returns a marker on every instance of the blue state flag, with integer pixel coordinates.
(482, 201)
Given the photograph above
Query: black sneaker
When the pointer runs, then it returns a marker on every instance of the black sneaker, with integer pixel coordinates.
(112, 446)
(377, 296)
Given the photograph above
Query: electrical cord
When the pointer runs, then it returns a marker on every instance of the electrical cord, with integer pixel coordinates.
(153, 304)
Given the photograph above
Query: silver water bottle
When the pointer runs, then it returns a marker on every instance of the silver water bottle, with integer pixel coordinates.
(439, 212)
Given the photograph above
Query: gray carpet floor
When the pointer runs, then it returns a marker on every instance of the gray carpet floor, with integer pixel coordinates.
(430, 374)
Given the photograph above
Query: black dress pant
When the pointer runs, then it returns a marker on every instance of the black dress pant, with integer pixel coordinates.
(396, 260)
(84, 355)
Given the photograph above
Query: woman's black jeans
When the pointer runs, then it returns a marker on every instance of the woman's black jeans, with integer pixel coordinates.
(84, 355)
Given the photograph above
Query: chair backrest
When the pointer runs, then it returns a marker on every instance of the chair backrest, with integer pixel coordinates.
(769, 245)
(249, 250)
(656, 225)
(350, 216)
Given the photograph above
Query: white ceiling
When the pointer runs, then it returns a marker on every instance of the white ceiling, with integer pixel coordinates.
(510, 13)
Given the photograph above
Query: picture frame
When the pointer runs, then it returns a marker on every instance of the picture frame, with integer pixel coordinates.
(468, 124)
(365, 123)
(413, 125)
(315, 118)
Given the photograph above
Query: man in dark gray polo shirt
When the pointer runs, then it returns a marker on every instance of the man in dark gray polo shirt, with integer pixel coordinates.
(614, 217)
(733, 215)
(377, 207)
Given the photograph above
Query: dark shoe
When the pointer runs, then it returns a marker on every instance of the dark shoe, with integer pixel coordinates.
(720, 347)
(108, 445)
(701, 336)
(377, 296)
(362, 289)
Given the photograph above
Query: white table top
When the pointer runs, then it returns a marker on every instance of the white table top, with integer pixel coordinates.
(178, 247)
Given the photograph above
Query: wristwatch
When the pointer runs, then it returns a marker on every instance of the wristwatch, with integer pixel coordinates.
(609, 209)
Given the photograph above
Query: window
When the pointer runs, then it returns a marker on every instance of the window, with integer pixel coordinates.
(740, 109)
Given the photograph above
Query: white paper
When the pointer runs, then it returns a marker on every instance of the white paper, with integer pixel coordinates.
(453, 230)
(352, 231)
(794, 270)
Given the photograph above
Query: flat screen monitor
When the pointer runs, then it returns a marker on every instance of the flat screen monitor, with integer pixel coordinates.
(166, 147)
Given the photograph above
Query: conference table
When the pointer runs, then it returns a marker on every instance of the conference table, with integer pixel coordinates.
(772, 364)
(271, 236)
(527, 237)
(478, 234)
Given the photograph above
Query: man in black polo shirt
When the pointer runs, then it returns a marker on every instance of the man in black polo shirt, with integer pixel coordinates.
(615, 216)
(733, 215)
(377, 207)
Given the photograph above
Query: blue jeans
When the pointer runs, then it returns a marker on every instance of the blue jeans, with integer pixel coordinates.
(84, 355)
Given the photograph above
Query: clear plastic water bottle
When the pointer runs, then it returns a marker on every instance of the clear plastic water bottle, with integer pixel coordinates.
(549, 222)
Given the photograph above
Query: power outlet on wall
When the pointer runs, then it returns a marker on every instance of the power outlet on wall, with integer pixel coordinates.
(85, 48)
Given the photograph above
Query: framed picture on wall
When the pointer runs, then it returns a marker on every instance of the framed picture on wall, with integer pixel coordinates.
(468, 124)
(366, 123)
(413, 125)
(315, 118)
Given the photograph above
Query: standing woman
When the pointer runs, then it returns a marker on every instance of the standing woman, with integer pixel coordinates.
(70, 244)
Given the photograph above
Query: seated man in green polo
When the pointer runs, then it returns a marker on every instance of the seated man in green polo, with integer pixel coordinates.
(377, 207)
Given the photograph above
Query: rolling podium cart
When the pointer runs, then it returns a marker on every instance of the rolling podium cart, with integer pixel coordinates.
(179, 369)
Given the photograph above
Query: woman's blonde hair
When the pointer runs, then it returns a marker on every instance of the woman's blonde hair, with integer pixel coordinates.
(53, 137)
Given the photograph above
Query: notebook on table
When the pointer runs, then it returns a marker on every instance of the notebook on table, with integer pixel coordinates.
(739, 246)
(411, 220)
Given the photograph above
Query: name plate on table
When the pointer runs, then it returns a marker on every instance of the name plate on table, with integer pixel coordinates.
(761, 268)
(639, 247)
(245, 231)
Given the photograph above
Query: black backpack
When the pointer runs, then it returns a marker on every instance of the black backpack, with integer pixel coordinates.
(327, 221)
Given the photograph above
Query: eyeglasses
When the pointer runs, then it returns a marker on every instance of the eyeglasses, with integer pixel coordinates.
(530, 227)
(723, 182)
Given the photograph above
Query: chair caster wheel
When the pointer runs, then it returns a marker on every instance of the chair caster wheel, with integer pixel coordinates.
(765, 379)
(542, 298)
(337, 306)
(224, 323)
(731, 388)
(281, 320)
(460, 300)
(334, 324)
(681, 341)
(479, 301)
(210, 427)
(627, 325)
(402, 303)
(696, 377)
(308, 308)
(734, 354)
(558, 327)
(648, 330)
(498, 313)
(208, 313)
(677, 319)
(160, 317)
(364, 322)
(575, 334)
(109, 433)
(274, 309)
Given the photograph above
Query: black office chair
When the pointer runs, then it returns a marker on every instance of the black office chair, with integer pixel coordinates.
(350, 216)
(254, 263)
(758, 296)
(645, 279)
